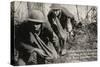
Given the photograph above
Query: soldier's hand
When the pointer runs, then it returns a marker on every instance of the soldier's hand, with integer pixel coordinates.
(40, 52)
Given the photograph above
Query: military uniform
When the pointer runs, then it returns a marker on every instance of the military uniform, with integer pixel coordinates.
(64, 19)
(26, 43)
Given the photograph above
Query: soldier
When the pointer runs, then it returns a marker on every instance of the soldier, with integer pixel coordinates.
(60, 20)
(32, 39)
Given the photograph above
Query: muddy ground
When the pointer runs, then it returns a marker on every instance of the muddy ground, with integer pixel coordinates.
(81, 47)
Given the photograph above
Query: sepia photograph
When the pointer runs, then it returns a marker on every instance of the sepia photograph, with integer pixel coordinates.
(52, 33)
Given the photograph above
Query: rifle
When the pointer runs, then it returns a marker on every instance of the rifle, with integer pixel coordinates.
(61, 31)
(41, 45)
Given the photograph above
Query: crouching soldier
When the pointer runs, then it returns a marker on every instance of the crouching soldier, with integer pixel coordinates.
(33, 40)
(60, 20)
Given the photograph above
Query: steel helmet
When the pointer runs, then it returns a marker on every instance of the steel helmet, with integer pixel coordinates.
(36, 16)
(63, 9)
